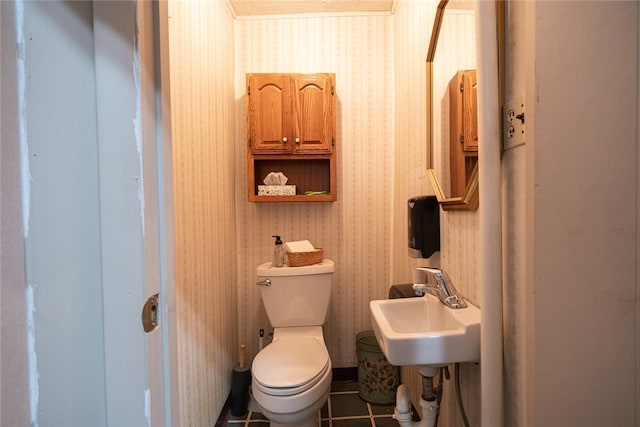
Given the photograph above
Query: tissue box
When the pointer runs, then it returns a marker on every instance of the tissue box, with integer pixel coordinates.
(276, 190)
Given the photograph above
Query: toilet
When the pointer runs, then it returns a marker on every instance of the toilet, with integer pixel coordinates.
(291, 377)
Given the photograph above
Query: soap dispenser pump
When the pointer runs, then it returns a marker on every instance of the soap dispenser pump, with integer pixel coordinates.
(278, 253)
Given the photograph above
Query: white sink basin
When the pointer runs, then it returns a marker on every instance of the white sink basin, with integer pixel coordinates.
(424, 332)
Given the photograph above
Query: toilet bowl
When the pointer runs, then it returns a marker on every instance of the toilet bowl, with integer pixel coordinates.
(292, 375)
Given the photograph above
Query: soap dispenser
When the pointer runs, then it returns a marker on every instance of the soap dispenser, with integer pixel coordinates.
(278, 253)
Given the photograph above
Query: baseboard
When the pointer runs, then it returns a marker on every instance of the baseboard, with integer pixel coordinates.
(225, 414)
(345, 374)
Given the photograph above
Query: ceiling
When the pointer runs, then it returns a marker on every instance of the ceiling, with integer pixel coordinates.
(286, 7)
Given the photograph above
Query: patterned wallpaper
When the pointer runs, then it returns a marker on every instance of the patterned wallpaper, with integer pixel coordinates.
(221, 238)
(204, 184)
(459, 230)
(355, 231)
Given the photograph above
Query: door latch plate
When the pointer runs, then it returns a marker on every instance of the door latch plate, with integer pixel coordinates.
(150, 313)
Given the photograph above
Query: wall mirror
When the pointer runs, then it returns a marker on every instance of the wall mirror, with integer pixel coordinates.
(452, 119)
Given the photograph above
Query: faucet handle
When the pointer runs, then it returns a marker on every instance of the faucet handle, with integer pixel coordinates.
(419, 289)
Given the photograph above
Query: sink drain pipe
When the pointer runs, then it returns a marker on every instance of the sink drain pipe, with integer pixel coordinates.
(402, 412)
(429, 402)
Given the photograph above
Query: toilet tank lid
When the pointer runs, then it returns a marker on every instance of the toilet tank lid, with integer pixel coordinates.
(267, 269)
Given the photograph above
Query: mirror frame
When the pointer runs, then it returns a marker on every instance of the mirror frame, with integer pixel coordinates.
(470, 200)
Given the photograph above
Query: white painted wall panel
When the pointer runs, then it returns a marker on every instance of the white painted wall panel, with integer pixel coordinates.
(63, 247)
(584, 216)
(570, 211)
(14, 391)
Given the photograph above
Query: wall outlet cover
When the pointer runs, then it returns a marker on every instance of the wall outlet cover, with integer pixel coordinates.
(513, 125)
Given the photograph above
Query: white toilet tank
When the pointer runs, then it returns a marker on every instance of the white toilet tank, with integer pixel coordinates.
(297, 296)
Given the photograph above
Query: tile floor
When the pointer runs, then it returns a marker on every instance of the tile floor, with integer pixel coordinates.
(344, 408)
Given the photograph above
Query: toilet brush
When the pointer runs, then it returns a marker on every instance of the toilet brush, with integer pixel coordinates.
(240, 386)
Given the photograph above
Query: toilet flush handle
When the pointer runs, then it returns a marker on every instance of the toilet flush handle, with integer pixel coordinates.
(265, 282)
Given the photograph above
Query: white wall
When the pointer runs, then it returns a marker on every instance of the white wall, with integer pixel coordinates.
(515, 291)
(14, 392)
(570, 204)
(63, 244)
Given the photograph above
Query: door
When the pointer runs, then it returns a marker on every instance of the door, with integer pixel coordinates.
(135, 211)
(97, 214)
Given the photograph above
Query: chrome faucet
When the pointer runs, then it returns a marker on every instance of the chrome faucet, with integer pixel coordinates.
(438, 283)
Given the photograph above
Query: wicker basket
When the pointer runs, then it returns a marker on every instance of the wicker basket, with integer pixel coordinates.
(299, 259)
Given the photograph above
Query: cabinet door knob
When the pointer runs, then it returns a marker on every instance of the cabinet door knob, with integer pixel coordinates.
(284, 139)
(298, 141)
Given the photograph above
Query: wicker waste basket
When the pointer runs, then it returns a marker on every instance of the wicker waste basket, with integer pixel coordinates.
(377, 378)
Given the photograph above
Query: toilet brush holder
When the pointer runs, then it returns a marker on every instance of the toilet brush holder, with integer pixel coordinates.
(240, 386)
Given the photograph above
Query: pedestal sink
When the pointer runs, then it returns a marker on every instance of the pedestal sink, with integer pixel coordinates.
(425, 333)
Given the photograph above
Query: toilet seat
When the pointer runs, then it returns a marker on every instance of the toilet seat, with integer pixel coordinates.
(290, 366)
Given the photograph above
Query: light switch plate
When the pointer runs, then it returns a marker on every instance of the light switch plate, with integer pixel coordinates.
(513, 118)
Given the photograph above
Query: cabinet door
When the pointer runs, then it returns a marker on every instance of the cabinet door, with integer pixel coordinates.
(470, 110)
(314, 105)
(463, 128)
(456, 136)
(269, 122)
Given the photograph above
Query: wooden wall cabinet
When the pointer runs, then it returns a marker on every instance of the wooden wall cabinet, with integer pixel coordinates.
(291, 128)
(463, 128)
